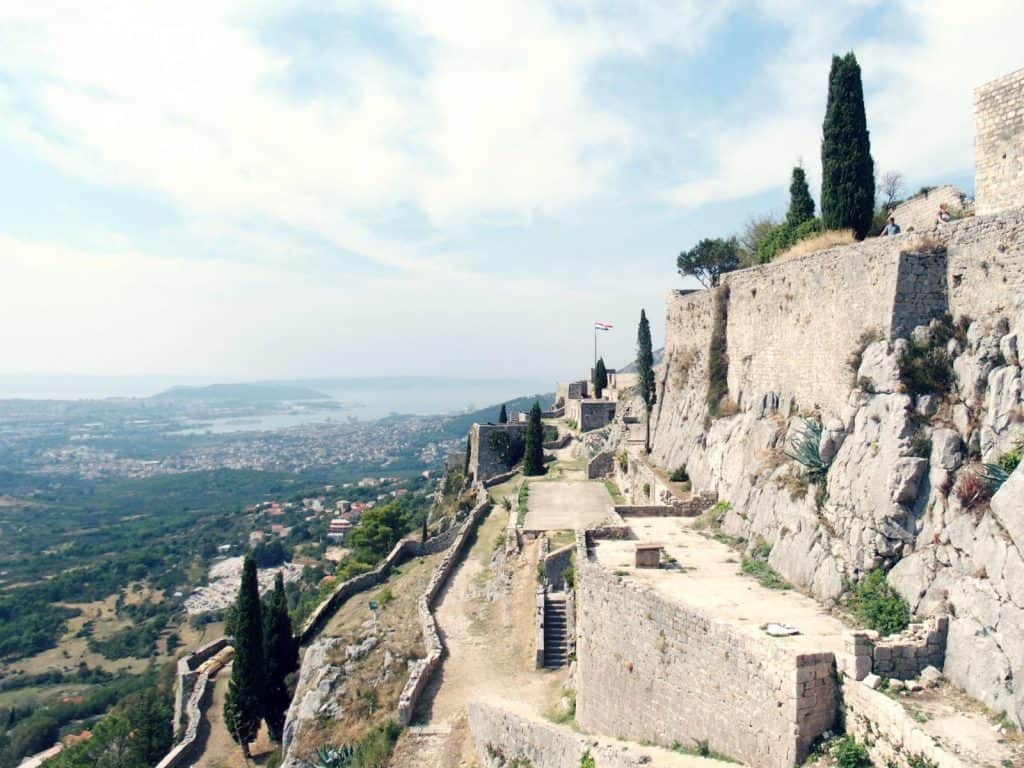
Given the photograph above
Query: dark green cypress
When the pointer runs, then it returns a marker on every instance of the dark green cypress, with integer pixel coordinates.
(600, 378)
(533, 455)
(503, 415)
(645, 373)
(847, 170)
(281, 657)
(801, 205)
(243, 704)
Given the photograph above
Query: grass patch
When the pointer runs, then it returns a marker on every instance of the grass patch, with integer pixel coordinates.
(817, 243)
(764, 573)
(614, 492)
(524, 496)
(384, 597)
(712, 519)
(700, 749)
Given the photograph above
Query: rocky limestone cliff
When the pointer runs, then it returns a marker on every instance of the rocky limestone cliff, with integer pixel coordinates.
(897, 462)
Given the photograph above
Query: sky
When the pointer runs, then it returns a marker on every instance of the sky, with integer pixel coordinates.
(273, 190)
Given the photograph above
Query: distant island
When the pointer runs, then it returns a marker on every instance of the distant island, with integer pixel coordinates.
(247, 392)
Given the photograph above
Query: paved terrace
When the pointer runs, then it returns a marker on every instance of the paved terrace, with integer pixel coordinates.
(707, 577)
(558, 505)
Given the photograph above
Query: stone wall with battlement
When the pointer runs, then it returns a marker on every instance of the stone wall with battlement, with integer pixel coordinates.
(657, 671)
(999, 143)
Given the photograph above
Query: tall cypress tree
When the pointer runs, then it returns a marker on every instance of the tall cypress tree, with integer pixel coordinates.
(533, 454)
(847, 170)
(801, 204)
(503, 415)
(281, 658)
(645, 373)
(600, 377)
(243, 704)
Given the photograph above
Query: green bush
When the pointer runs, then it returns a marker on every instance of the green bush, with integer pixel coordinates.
(848, 753)
(783, 237)
(877, 605)
(587, 761)
(679, 474)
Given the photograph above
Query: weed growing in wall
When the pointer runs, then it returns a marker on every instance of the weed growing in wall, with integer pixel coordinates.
(587, 761)
(718, 353)
(877, 606)
(926, 368)
(849, 753)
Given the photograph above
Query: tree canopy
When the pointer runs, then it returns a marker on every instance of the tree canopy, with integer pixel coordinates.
(533, 456)
(600, 377)
(645, 372)
(801, 204)
(281, 657)
(503, 415)
(243, 704)
(709, 260)
(847, 169)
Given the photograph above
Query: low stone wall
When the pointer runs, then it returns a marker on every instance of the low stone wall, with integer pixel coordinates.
(602, 465)
(538, 627)
(501, 737)
(903, 656)
(890, 734)
(658, 671)
(422, 669)
(555, 564)
(499, 479)
(401, 552)
(560, 442)
(187, 674)
(186, 751)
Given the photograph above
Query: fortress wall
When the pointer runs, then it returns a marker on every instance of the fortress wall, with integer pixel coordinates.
(999, 143)
(986, 263)
(792, 326)
(656, 671)
(484, 459)
(919, 213)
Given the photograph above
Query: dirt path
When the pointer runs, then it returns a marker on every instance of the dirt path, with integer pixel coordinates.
(221, 751)
(487, 626)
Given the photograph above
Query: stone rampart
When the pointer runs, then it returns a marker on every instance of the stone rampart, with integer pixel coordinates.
(555, 565)
(422, 669)
(985, 262)
(602, 465)
(920, 213)
(502, 737)
(488, 449)
(657, 671)
(999, 143)
(891, 735)
(188, 672)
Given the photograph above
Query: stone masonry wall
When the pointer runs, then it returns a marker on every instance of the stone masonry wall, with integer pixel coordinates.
(484, 460)
(792, 326)
(999, 143)
(889, 732)
(651, 670)
(985, 263)
(920, 213)
(501, 737)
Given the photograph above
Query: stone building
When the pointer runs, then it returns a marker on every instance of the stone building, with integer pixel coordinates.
(999, 144)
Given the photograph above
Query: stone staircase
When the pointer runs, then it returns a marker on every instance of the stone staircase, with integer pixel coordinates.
(556, 648)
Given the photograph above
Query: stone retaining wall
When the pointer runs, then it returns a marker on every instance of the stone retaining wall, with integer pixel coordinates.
(555, 565)
(187, 674)
(501, 737)
(888, 731)
(422, 669)
(904, 655)
(920, 213)
(602, 465)
(657, 671)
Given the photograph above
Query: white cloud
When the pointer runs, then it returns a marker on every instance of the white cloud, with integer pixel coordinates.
(918, 85)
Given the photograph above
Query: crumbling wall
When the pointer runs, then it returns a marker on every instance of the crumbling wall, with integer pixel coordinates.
(651, 670)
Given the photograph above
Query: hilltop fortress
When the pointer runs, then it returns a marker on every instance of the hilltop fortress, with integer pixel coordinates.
(833, 340)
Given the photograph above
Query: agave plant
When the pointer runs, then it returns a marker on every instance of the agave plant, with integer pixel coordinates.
(994, 475)
(803, 449)
(334, 757)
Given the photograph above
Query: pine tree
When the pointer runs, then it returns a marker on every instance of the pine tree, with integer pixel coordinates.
(281, 658)
(600, 378)
(243, 704)
(801, 205)
(847, 170)
(645, 373)
(503, 415)
(533, 455)
(150, 716)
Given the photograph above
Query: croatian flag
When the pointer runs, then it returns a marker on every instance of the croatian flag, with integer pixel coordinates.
(599, 326)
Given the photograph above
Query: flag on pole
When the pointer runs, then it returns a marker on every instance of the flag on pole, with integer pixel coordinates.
(599, 326)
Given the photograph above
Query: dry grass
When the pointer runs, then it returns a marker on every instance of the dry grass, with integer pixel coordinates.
(817, 243)
(926, 244)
